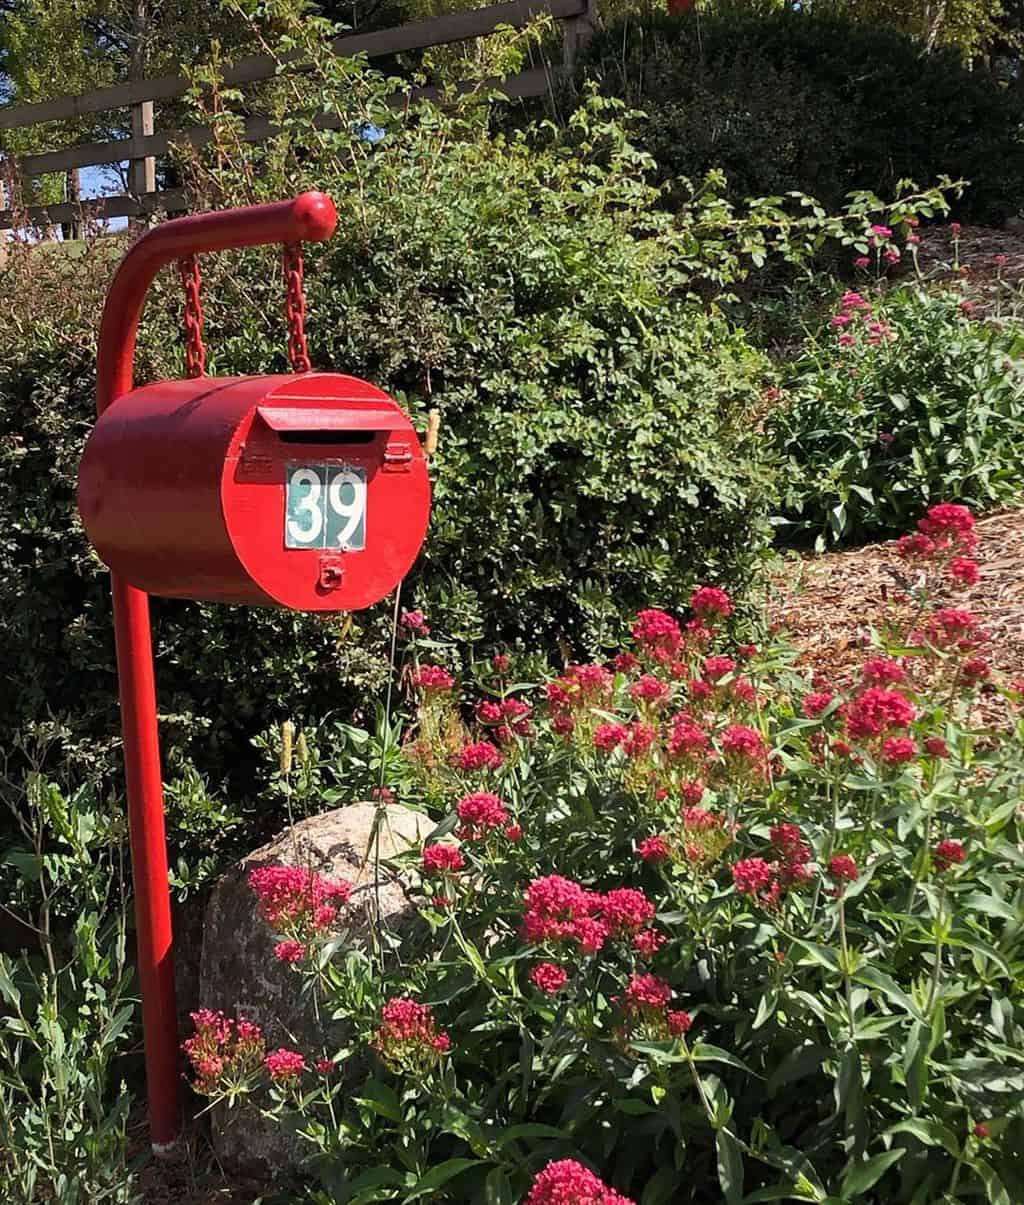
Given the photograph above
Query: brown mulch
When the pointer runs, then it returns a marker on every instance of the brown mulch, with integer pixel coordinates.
(826, 604)
(980, 248)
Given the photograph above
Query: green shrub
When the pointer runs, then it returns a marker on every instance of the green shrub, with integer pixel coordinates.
(924, 403)
(791, 101)
(714, 931)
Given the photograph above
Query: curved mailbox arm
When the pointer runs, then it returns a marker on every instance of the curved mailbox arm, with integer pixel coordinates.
(310, 217)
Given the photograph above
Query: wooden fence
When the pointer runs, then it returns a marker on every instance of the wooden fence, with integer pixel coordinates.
(145, 142)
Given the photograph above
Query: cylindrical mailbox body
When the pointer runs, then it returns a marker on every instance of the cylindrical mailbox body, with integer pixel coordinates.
(303, 491)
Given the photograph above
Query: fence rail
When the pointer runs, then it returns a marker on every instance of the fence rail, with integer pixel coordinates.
(144, 144)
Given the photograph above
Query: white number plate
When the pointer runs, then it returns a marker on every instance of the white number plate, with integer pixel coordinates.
(325, 507)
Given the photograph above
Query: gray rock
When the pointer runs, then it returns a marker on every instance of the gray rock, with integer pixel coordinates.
(240, 975)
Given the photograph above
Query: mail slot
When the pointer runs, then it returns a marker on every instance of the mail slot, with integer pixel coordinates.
(304, 491)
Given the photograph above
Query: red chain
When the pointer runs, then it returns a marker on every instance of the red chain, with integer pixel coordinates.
(192, 280)
(295, 308)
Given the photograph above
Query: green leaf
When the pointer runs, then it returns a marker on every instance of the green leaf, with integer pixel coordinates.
(529, 1130)
(379, 1098)
(730, 1167)
(872, 977)
(915, 1061)
(931, 1133)
(703, 1052)
(863, 1176)
(439, 1175)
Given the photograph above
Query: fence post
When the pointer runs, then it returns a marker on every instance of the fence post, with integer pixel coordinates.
(576, 31)
(142, 170)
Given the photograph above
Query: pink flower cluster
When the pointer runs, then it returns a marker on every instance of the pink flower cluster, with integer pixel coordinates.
(221, 1049)
(298, 902)
(645, 1008)
(567, 1182)
(413, 623)
(284, 1064)
(768, 880)
(481, 755)
(443, 859)
(480, 816)
(557, 910)
(855, 313)
(431, 679)
(408, 1036)
(875, 711)
(946, 538)
(948, 853)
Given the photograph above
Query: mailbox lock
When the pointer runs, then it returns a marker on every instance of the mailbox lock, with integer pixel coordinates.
(331, 572)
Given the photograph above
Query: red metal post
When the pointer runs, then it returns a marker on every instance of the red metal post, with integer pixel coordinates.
(309, 217)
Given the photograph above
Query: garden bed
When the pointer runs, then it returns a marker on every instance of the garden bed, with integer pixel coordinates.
(823, 602)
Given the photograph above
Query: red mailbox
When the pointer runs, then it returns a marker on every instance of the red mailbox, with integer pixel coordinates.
(303, 491)
(306, 491)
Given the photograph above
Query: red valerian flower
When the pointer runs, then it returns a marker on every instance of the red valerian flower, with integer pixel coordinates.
(897, 750)
(962, 569)
(432, 679)
(500, 663)
(567, 1182)
(679, 1022)
(982, 1131)
(814, 704)
(488, 712)
(951, 626)
(649, 689)
(284, 1065)
(514, 833)
(555, 907)
(657, 633)
(515, 710)
(718, 667)
(480, 814)
(709, 603)
(625, 663)
(408, 1035)
(479, 756)
(626, 909)
(608, 737)
(936, 747)
(563, 724)
(882, 671)
(739, 741)
(325, 1066)
(954, 525)
(290, 895)
(648, 942)
(289, 951)
(221, 1047)
(692, 792)
(413, 623)
(687, 738)
(752, 875)
(653, 849)
(976, 669)
(647, 992)
(639, 738)
(549, 977)
(442, 859)
(843, 868)
(948, 853)
(875, 710)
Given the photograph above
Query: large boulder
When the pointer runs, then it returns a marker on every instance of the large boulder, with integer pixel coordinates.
(240, 975)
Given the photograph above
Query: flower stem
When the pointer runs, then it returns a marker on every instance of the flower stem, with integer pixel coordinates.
(844, 948)
(933, 990)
